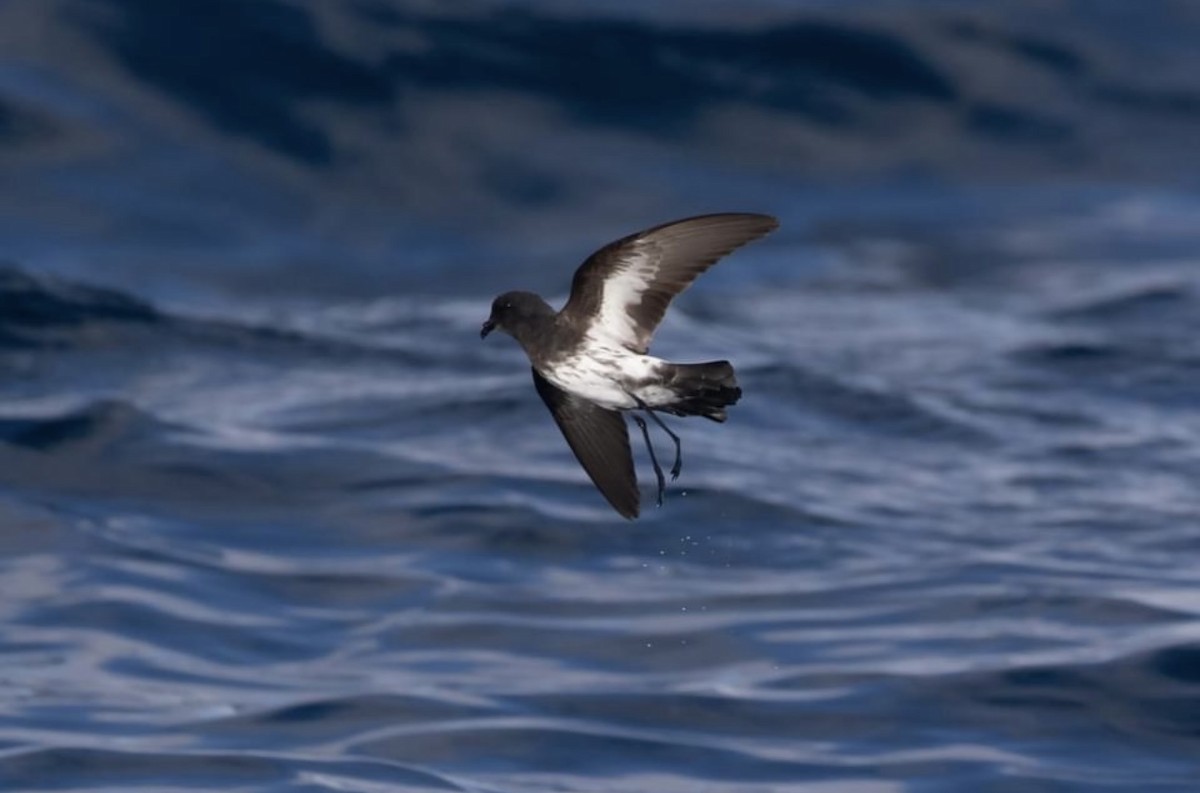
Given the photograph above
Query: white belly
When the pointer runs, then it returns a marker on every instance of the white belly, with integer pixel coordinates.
(611, 377)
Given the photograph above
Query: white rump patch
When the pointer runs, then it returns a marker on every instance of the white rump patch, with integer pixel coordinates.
(607, 374)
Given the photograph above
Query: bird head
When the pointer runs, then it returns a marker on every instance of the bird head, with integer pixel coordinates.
(512, 312)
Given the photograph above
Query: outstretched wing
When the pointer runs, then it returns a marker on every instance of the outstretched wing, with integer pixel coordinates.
(600, 441)
(622, 291)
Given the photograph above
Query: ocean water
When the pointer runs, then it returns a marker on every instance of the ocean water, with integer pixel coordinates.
(273, 518)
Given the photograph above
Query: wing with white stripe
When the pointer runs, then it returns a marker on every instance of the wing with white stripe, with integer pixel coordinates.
(622, 291)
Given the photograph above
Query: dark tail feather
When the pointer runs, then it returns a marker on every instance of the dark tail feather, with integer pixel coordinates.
(703, 389)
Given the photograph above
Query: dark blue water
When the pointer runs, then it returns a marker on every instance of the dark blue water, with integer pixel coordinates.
(273, 518)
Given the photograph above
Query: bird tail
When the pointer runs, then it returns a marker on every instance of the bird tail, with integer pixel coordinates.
(702, 389)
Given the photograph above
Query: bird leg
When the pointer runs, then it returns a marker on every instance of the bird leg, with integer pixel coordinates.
(662, 482)
(678, 466)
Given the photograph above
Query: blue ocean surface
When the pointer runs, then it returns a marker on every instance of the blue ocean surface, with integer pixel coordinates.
(273, 518)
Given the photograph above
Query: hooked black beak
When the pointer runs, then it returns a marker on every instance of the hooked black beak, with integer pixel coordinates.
(487, 328)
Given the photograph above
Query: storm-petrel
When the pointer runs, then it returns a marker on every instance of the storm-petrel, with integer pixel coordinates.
(590, 360)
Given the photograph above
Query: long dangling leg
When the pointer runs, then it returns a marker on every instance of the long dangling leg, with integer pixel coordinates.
(662, 482)
(678, 466)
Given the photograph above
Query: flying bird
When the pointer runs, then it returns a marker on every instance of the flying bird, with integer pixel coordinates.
(591, 360)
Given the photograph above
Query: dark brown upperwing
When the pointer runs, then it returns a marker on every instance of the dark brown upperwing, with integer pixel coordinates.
(659, 263)
(600, 441)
